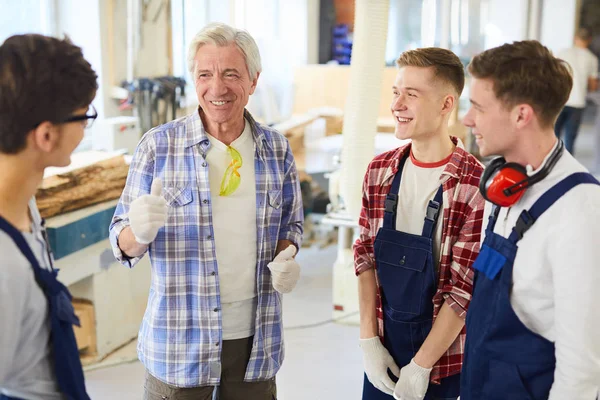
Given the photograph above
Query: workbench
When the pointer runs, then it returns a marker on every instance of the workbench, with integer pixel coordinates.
(88, 268)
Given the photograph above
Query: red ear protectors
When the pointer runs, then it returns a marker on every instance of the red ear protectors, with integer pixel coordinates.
(504, 183)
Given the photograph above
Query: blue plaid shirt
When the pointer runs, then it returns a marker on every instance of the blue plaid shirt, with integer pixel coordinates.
(180, 338)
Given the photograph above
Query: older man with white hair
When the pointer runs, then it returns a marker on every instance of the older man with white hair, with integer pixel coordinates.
(215, 199)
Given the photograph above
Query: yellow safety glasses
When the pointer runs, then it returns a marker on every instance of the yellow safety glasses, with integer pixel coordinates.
(231, 179)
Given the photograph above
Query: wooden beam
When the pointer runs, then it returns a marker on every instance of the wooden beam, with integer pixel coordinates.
(82, 187)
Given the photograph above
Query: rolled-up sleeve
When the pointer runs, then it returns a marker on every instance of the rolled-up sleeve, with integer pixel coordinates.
(363, 247)
(292, 216)
(458, 290)
(139, 180)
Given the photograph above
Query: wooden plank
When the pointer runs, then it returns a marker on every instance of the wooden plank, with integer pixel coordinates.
(327, 86)
(82, 187)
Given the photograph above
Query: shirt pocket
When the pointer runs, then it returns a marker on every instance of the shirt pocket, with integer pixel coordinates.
(181, 213)
(178, 196)
(274, 198)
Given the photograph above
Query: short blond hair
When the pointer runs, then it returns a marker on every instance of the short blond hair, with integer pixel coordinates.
(446, 65)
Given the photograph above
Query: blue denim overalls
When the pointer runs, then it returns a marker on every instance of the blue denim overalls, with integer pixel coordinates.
(67, 364)
(408, 281)
(503, 358)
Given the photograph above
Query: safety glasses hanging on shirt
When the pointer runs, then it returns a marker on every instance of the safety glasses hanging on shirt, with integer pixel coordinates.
(231, 179)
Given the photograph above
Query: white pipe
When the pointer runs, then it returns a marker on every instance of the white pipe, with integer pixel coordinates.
(130, 39)
(428, 23)
(364, 94)
(446, 22)
(464, 22)
(535, 12)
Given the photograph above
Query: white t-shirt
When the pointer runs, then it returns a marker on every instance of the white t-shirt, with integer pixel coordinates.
(585, 66)
(556, 278)
(234, 225)
(419, 184)
(26, 362)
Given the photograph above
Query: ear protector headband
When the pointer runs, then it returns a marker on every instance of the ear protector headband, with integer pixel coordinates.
(504, 183)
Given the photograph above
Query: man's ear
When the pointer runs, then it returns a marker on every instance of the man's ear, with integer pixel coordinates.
(254, 83)
(523, 115)
(45, 136)
(448, 104)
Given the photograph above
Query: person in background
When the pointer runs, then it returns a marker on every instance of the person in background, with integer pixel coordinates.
(584, 66)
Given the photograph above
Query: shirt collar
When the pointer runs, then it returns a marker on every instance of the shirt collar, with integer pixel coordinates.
(195, 132)
(450, 171)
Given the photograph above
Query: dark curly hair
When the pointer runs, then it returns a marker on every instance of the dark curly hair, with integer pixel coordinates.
(41, 79)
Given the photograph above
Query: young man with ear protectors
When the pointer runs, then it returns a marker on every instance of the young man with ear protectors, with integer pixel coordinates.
(420, 232)
(532, 326)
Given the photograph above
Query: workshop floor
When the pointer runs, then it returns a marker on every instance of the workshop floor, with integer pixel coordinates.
(323, 360)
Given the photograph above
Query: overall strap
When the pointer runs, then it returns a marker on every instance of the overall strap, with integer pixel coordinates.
(528, 217)
(391, 200)
(433, 211)
(21, 243)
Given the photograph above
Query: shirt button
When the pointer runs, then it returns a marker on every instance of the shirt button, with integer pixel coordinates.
(204, 164)
(217, 344)
(213, 273)
(205, 201)
(209, 237)
(216, 310)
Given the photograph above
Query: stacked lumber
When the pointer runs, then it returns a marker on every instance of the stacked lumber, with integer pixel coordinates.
(82, 187)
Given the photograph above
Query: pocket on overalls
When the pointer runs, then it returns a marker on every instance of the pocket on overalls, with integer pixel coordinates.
(504, 382)
(402, 276)
(489, 262)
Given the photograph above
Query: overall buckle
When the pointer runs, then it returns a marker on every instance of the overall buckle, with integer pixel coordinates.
(391, 201)
(433, 210)
(524, 222)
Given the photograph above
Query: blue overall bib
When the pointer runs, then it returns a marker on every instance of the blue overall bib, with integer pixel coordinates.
(67, 365)
(503, 358)
(408, 281)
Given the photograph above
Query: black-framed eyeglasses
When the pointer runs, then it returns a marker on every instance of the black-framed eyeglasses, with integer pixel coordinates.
(89, 117)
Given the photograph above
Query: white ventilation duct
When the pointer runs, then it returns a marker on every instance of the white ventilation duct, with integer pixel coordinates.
(362, 104)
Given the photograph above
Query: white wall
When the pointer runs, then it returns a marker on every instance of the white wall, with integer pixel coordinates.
(507, 22)
(153, 56)
(86, 33)
(558, 24)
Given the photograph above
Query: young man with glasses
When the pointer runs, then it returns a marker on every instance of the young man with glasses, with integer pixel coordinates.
(215, 199)
(46, 87)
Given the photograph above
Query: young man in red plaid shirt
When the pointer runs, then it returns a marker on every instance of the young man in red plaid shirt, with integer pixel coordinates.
(420, 232)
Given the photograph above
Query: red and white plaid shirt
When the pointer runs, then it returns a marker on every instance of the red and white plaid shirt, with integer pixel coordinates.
(461, 234)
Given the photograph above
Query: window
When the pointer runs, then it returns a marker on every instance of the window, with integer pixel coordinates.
(26, 16)
(268, 21)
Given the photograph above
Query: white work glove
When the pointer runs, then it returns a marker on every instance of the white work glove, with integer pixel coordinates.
(377, 360)
(413, 382)
(148, 213)
(285, 270)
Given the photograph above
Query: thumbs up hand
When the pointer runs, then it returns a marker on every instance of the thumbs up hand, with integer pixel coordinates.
(285, 271)
(148, 213)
